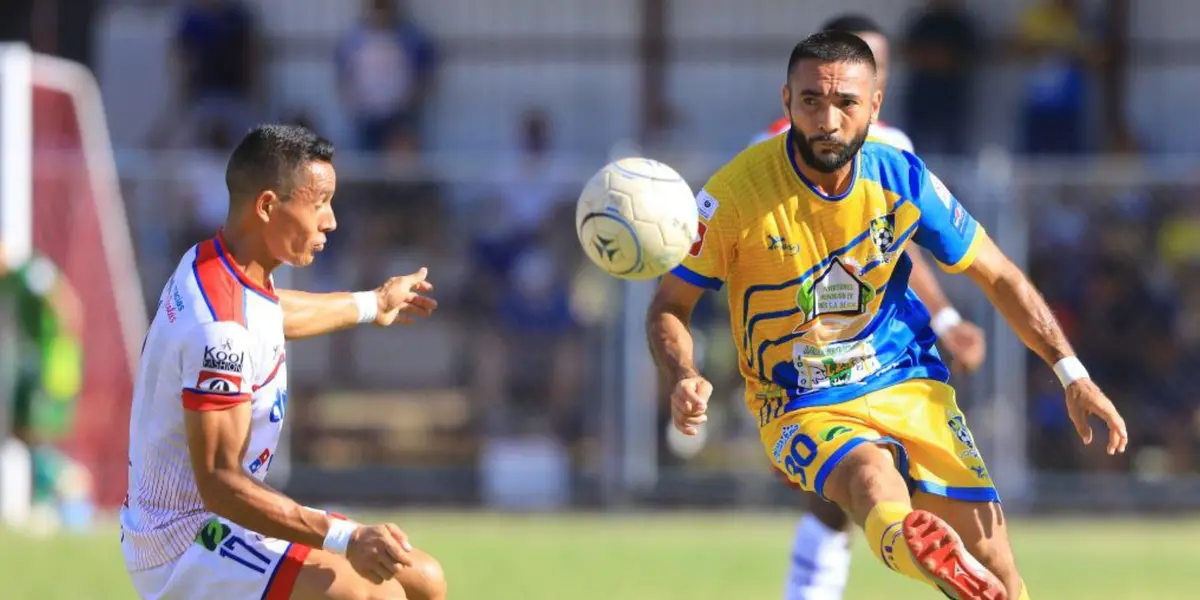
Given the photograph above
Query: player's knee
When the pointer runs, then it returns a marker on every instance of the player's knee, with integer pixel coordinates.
(864, 477)
(425, 579)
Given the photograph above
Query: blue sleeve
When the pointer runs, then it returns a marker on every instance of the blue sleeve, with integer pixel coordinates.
(945, 229)
(421, 48)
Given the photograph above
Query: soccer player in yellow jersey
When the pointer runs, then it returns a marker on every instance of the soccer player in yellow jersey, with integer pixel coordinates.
(808, 230)
(820, 554)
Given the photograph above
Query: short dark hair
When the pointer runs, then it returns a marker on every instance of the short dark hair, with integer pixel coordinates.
(852, 23)
(268, 158)
(832, 46)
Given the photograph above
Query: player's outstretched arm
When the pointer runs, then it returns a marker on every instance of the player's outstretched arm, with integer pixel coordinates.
(399, 300)
(962, 338)
(1028, 314)
(671, 344)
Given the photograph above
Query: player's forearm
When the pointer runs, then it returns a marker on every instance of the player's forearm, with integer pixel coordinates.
(308, 315)
(243, 500)
(1028, 314)
(671, 343)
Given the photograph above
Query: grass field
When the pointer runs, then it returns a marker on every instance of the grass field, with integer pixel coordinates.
(689, 556)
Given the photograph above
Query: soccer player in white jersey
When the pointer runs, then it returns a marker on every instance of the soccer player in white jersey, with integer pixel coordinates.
(211, 395)
(820, 558)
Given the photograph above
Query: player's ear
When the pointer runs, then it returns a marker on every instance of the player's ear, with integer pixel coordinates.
(786, 94)
(876, 103)
(265, 204)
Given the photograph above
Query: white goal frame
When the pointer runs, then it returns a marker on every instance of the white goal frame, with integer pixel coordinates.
(20, 71)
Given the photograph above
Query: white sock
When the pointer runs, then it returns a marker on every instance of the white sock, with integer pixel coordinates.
(820, 562)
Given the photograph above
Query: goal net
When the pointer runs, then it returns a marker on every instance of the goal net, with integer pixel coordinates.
(60, 197)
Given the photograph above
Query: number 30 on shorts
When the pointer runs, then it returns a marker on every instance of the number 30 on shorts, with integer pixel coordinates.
(801, 452)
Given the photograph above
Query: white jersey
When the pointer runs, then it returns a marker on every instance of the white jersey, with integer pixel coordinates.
(879, 130)
(216, 341)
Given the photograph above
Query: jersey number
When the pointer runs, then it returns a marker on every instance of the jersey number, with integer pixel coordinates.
(237, 550)
(801, 454)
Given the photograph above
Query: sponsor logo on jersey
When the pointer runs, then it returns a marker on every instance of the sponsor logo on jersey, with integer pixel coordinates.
(959, 219)
(212, 534)
(707, 205)
(223, 358)
(219, 382)
(837, 291)
(939, 188)
(279, 408)
(778, 243)
(263, 460)
(785, 435)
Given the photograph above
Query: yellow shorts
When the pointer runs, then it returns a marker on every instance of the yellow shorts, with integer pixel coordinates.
(919, 419)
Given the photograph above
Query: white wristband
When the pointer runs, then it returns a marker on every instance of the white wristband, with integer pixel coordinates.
(368, 306)
(1069, 370)
(944, 320)
(339, 534)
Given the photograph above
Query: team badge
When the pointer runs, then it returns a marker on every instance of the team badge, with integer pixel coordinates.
(883, 232)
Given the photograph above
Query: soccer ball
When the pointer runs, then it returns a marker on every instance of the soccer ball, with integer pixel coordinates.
(636, 218)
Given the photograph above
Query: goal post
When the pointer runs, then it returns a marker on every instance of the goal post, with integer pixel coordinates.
(60, 198)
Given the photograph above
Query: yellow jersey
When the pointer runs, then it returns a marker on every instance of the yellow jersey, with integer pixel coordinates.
(820, 307)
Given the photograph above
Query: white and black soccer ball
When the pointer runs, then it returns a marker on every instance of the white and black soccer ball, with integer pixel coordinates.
(883, 238)
(636, 218)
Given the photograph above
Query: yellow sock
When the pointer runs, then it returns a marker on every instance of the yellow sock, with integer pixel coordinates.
(1024, 592)
(884, 533)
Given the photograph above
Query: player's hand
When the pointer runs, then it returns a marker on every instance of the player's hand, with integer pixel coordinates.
(966, 345)
(689, 403)
(378, 552)
(402, 298)
(1084, 399)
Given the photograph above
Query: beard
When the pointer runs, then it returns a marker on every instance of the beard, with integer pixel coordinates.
(825, 162)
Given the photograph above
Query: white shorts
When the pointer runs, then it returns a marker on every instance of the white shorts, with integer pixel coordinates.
(226, 562)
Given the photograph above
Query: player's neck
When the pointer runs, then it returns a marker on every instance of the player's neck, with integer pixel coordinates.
(829, 184)
(249, 254)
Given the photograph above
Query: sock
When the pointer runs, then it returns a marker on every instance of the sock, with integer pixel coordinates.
(884, 529)
(820, 564)
(1024, 592)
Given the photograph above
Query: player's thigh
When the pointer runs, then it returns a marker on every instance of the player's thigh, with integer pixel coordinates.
(983, 529)
(228, 562)
(327, 576)
(809, 446)
(934, 447)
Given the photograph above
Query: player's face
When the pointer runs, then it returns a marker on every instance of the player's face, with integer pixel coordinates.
(296, 228)
(831, 106)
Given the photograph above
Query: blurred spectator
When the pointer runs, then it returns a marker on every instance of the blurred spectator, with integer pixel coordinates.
(217, 70)
(942, 45)
(385, 74)
(401, 211)
(1059, 54)
(203, 187)
(529, 361)
(534, 184)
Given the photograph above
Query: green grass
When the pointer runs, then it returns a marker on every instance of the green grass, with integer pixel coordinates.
(688, 556)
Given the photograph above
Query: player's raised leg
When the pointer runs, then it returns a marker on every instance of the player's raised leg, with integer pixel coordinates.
(820, 558)
(866, 482)
(328, 576)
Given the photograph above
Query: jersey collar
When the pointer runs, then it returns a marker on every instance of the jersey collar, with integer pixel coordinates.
(787, 148)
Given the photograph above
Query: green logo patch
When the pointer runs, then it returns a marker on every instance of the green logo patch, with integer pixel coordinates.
(831, 432)
(212, 534)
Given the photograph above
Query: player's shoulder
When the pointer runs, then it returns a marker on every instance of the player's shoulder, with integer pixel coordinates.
(897, 170)
(748, 170)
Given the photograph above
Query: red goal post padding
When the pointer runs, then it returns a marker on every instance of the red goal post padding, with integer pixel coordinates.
(79, 222)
